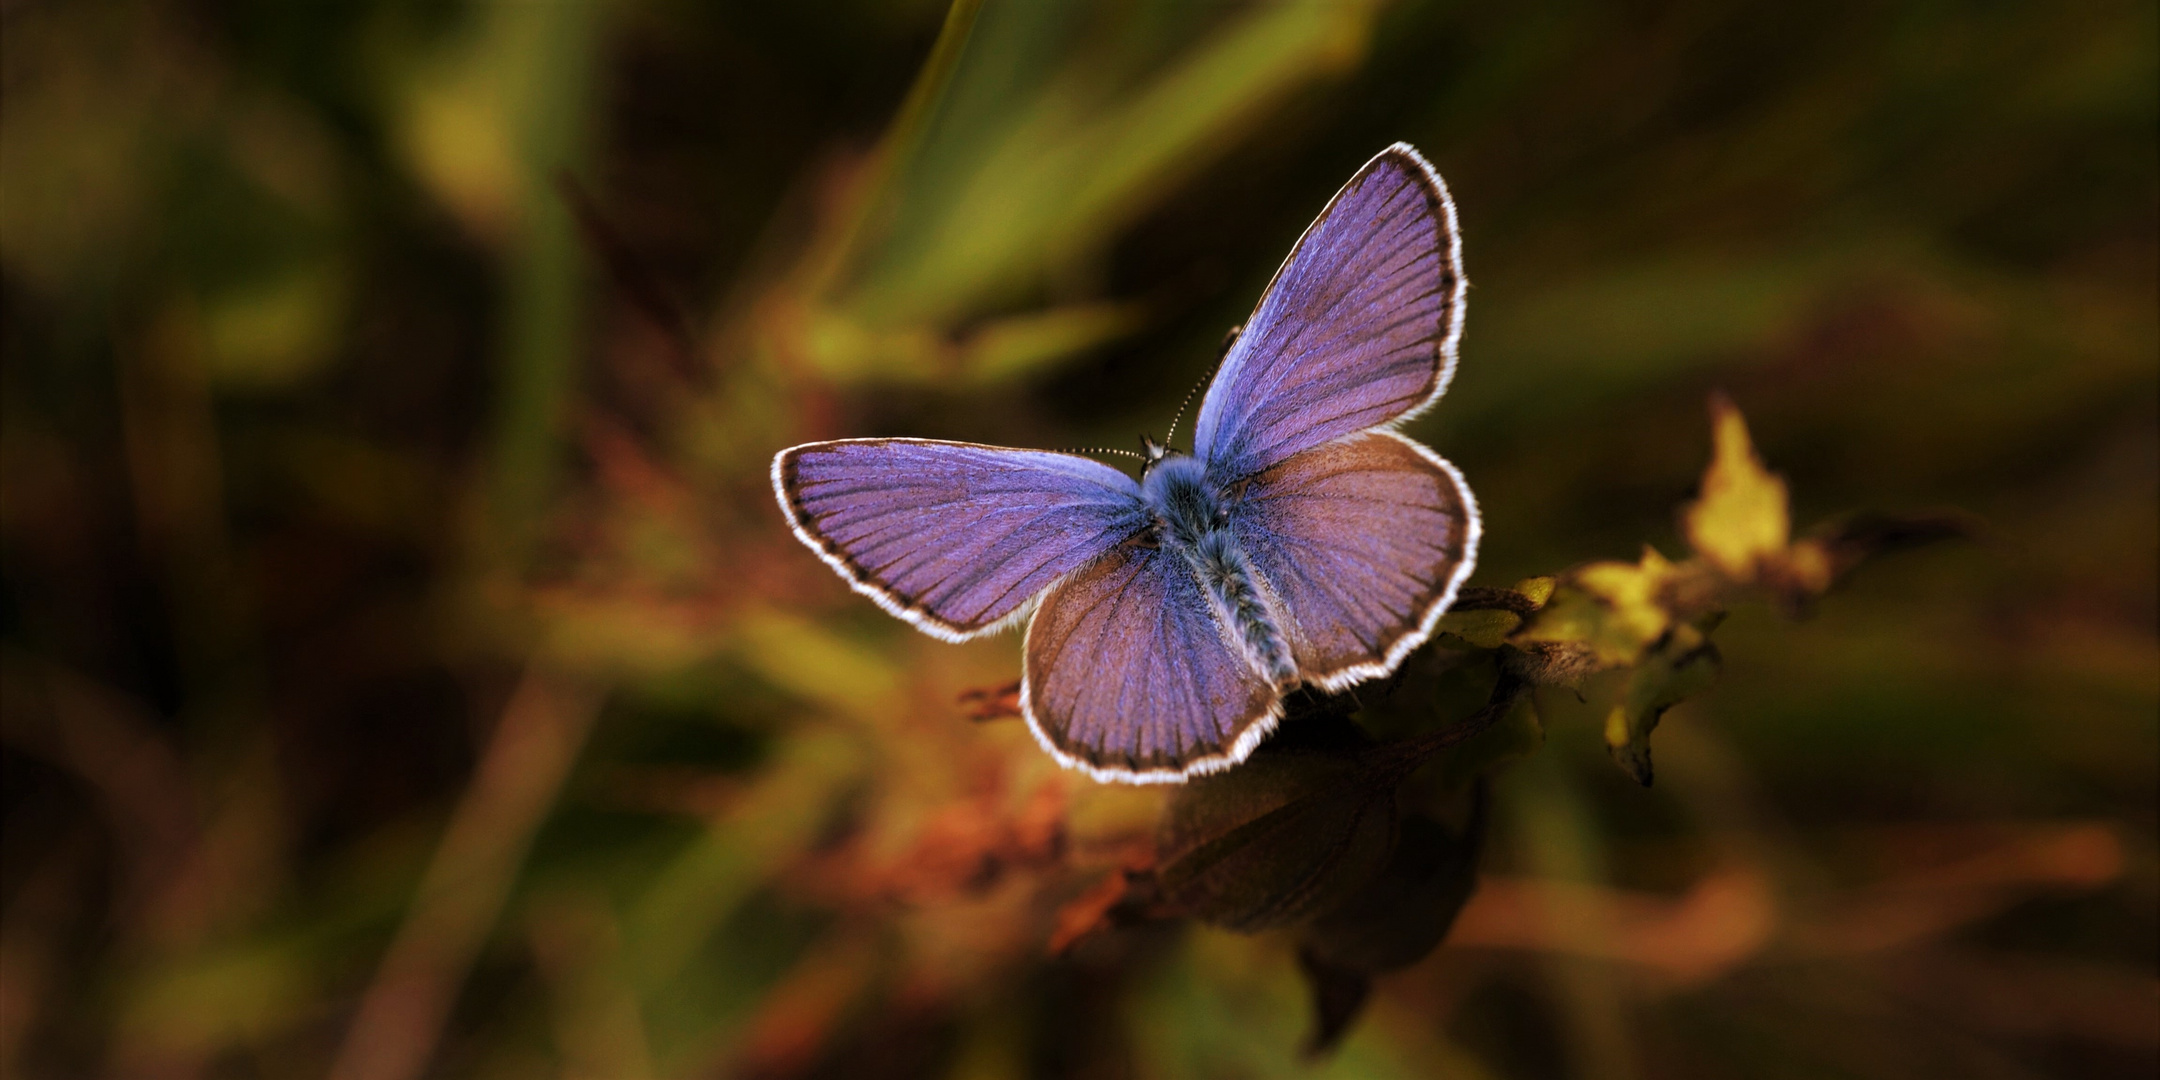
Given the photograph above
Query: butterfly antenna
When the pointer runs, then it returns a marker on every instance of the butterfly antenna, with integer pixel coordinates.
(1102, 450)
(1228, 340)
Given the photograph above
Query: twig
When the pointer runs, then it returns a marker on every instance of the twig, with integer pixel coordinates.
(632, 276)
(1401, 758)
(401, 1017)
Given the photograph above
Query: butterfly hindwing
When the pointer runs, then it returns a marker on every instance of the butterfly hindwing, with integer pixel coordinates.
(1357, 329)
(1128, 675)
(1364, 541)
(956, 538)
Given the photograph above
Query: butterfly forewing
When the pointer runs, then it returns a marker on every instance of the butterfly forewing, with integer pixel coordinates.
(1357, 329)
(1364, 542)
(1129, 677)
(953, 537)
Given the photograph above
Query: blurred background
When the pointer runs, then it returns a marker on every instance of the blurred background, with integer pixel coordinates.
(407, 672)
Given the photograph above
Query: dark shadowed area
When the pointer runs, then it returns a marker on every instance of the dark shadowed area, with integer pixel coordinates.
(405, 669)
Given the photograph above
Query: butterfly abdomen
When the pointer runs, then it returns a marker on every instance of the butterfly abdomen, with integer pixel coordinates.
(1231, 582)
(1190, 519)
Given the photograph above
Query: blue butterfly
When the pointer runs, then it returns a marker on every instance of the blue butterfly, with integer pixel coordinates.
(1302, 542)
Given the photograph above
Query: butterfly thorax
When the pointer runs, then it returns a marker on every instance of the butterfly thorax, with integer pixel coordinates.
(1192, 520)
(1185, 506)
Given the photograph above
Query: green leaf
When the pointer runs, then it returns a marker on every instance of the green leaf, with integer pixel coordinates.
(1613, 610)
(1273, 841)
(1395, 920)
(1517, 735)
(1831, 550)
(1552, 663)
(1433, 689)
(1537, 590)
(1486, 629)
(1741, 522)
(1338, 996)
(1405, 911)
(1683, 665)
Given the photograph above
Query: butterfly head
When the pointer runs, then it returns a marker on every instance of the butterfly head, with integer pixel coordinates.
(1154, 452)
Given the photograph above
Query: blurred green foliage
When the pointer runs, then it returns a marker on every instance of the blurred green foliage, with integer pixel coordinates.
(407, 673)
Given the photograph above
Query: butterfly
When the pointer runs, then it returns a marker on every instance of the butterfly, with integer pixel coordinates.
(1302, 542)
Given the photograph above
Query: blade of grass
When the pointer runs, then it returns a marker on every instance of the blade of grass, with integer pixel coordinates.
(900, 142)
(543, 316)
(401, 1016)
